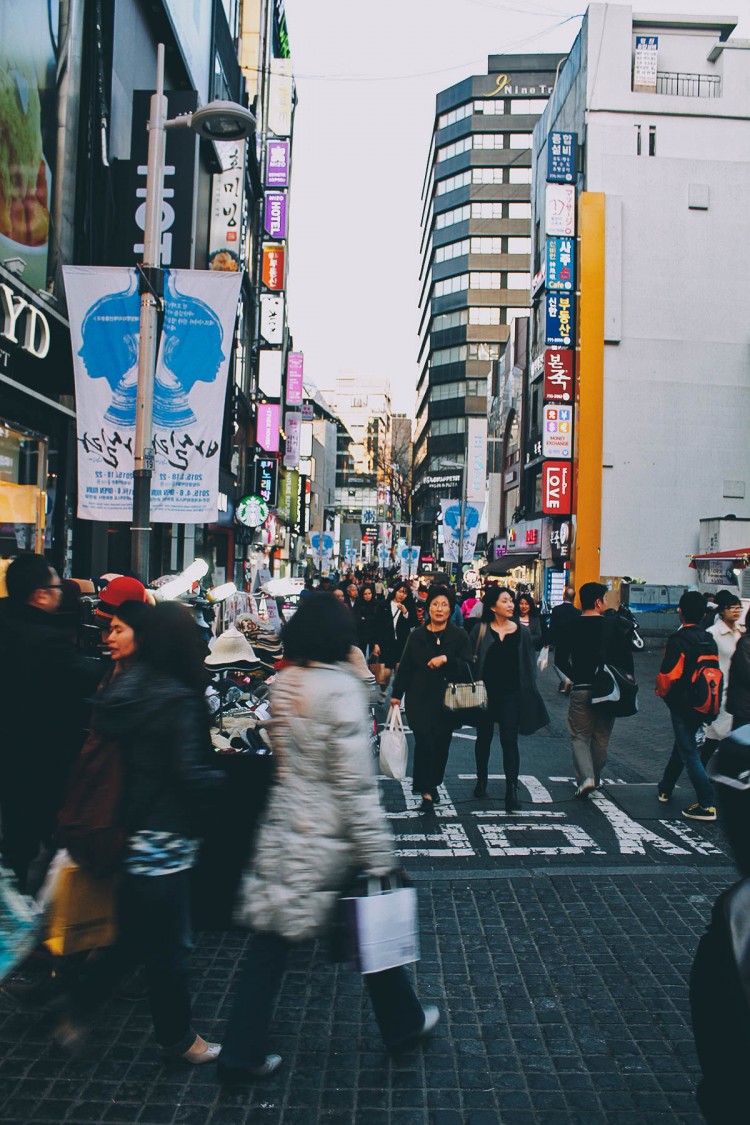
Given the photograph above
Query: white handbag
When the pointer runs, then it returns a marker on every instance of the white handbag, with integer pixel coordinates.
(394, 751)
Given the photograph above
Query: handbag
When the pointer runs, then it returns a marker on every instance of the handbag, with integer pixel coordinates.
(377, 925)
(613, 692)
(80, 909)
(394, 751)
(471, 696)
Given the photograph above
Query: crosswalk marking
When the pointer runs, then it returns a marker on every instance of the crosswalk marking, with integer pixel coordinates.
(497, 838)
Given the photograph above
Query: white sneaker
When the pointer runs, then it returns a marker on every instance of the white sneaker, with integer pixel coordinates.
(587, 786)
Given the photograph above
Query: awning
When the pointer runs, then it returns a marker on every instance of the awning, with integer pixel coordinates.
(741, 557)
(718, 567)
(507, 563)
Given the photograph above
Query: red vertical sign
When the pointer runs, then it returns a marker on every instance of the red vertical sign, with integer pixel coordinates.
(557, 488)
(558, 375)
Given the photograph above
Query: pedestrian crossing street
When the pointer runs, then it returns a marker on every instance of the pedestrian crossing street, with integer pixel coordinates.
(552, 823)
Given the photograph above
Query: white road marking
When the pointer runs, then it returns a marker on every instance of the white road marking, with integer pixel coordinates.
(539, 795)
(632, 836)
(452, 836)
(688, 836)
(524, 815)
(468, 737)
(497, 839)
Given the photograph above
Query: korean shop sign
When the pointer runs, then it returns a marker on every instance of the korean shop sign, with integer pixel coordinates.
(559, 319)
(277, 164)
(557, 488)
(560, 210)
(561, 158)
(273, 266)
(558, 375)
(560, 270)
(557, 436)
(275, 214)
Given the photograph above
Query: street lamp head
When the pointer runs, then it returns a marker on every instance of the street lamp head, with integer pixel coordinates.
(223, 121)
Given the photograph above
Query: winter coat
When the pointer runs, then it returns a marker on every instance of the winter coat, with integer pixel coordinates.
(738, 693)
(162, 728)
(425, 687)
(392, 641)
(534, 630)
(533, 713)
(560, 618)
(366, 614)
(727, 638)
(323, 823)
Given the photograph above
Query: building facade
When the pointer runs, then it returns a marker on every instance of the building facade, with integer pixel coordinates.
(476, 247)
(658, 113)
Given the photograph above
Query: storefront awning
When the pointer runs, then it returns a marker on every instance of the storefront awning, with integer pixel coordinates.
(741, 557)
(507, 563)
(718, 568)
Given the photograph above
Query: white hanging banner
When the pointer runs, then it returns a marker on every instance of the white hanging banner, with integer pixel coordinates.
(409, 557)
(200, 308)
(451, 510)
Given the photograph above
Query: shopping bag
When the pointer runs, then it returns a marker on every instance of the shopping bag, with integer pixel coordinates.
(381, 926)
(80, 909)
(542, 659)
(20, 924)
(394, 751)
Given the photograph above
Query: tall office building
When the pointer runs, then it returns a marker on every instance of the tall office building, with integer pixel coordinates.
(476, 244)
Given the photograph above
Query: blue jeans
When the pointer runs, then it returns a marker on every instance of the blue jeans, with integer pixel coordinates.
(399, 1013)
(686, 755)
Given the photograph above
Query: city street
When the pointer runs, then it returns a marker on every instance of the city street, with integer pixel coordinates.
(556, 942)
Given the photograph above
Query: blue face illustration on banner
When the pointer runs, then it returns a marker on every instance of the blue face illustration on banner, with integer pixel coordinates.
(190, 352)
(452, 519)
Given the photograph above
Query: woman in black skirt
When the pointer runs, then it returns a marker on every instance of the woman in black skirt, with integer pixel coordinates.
(435, 654)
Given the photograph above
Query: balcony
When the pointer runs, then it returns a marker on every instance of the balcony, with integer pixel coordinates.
(688, 85)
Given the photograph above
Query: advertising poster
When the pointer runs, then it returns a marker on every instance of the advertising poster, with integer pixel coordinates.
(476, 461)
(557, 436)
(28, 133)
(560, 266)
(189, 388)
(560, 210)
(645, 64)
(293, 431)
(561, 158)
(295, 367)
(451, 510)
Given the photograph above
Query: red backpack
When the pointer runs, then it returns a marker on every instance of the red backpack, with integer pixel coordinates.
(703, 676)
(89, 822)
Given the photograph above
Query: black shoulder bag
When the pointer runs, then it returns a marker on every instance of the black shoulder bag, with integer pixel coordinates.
(613, 692)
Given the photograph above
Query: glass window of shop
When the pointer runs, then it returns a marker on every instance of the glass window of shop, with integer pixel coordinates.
(24, 495)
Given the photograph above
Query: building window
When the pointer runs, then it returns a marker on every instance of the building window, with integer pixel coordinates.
(527, 105)
(486, 175)
(490, 107)
(519, 176)
(488, 140)
(519, 210)
(440, 426)
(452, 250)
(486, 210)
(485, 280)
(519, 281)
(519, 245)
(476, 388)
(454, 115)
(448, 218)
(652, 140)
(519, 140)
(452, 183)
(637, 140)
(486, 246)
(451, 285)
(484, 351)
(447, 151)
(448, 355)
(484, 316)
(449, 320)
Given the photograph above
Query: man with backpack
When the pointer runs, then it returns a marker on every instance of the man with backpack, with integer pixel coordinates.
(690, 683)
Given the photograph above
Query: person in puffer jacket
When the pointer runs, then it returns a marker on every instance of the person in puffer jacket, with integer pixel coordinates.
(323, 825)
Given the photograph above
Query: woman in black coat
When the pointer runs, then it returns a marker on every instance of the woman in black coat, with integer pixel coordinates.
(366, 613)
(505, 661)
(527, 615)
(738, 688)
(394, 623)
(435, 654)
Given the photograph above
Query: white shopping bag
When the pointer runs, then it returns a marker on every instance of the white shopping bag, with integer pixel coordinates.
(394, 751)
(383, 928)
(542, 659)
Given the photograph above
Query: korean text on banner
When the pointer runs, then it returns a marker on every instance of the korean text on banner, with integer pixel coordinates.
(476, 479)
(451, 510)
(277, 164)
(226, 208)
(295, 366)
(293, 431)
(189, 388)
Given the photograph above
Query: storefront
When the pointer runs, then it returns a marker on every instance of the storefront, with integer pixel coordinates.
(37, 426)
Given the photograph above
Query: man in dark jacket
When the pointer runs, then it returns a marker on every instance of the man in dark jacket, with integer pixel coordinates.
(589, 640)
(671, 685)
(562, 616)
(41, 673)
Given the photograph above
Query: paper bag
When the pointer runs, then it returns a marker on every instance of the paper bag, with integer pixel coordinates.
(81, 910)
(394, 752)
(383, 929)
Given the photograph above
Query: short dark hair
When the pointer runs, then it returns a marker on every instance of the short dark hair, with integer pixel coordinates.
(691, 606)
(321, 631)
(26, 574)
(135, 615)
(173, 645)
(491, 598)
(436, 591)
(729, 602)
(590, 593)
(529, 598)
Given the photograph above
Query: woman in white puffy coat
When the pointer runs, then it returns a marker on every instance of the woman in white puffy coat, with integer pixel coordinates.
(323, 825)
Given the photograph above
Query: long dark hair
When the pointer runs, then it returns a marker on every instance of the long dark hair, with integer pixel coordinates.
(408, 600)
(321, 631)
(171, 644)
(135, 615)
(490, 599)
(533, 611)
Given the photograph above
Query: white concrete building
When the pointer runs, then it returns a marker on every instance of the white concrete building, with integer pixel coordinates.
(672, 159)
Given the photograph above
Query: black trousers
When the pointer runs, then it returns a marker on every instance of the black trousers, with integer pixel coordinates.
(431, 746)
(505, 710)
(399, 1013)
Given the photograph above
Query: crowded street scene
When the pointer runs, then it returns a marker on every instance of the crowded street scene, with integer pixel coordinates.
(374, 399)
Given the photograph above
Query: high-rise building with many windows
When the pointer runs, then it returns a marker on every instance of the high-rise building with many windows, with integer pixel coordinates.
(476, 245)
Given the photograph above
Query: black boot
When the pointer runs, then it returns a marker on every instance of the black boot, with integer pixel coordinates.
(512, 804)
(480, 789)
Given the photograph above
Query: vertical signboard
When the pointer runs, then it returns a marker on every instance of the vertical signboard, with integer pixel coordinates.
(560, 210)
(275, 214)
(267, 435)
(271, 318)
(561, 158)
(476, 459)
(560, 269)
(557, 488)
(266, 483)
(558, 375)
(277, 164)
(293, 431)
(645, 64)
(273, 266)
(226, 208)
(559, 320)
(280, 97)
(295, 366)
(557, 436)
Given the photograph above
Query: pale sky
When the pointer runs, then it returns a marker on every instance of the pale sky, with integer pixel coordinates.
(367, 73)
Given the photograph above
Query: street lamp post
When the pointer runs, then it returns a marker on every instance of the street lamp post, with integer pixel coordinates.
(217, 121)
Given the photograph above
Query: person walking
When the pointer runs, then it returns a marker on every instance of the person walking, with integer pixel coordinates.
(672, 685)
(434, 653)
(323, 823)
(366, 613)
(39, 670)
(154, 709)
(589, 640)
(738, 690)
(505, 661)
(529, 618)
(727, 632)
(562, 615)
(395, 621)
